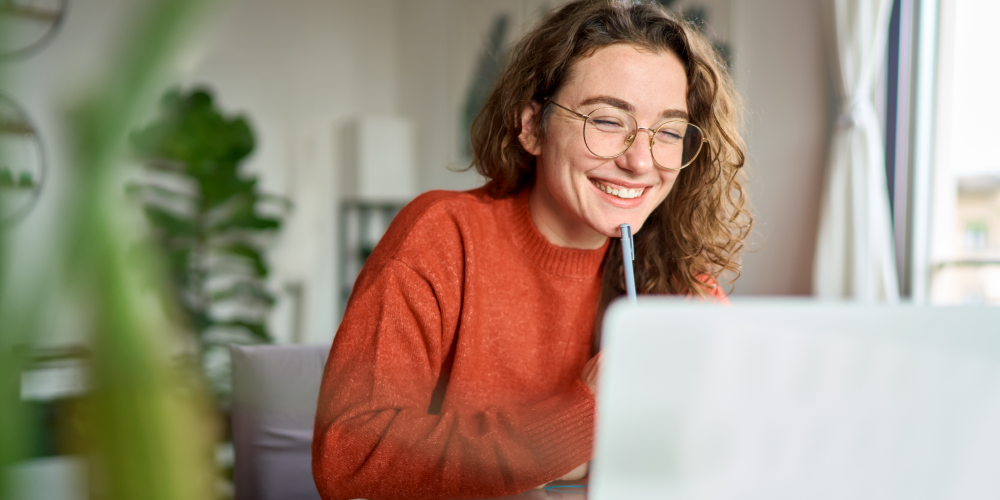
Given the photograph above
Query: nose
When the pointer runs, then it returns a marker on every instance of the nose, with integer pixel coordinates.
(638, 159)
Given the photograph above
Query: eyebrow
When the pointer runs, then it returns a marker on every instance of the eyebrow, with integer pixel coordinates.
(627, 106)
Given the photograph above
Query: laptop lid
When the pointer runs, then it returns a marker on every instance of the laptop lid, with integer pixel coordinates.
(783, 399)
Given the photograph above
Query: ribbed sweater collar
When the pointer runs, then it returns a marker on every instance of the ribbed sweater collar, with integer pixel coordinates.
(561, 261)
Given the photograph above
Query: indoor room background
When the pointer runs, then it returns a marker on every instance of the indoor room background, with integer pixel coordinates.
(354, 107)
(305, 73)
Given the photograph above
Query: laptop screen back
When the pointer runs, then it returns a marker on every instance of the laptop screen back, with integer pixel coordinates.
(796, 400)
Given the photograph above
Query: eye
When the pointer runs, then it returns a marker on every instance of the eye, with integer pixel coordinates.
(670, 134)
(607, 123)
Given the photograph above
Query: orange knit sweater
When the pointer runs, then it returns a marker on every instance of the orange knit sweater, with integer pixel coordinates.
(455, 371)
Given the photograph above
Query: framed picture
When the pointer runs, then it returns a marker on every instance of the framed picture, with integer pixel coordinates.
(481, 33)
(712, 17)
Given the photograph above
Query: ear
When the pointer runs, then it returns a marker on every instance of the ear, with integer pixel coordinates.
(529, 137)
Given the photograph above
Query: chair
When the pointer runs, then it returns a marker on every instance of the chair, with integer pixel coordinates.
(274, 402)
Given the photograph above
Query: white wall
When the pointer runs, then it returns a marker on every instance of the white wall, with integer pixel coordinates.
(781, 71)
(300, 70)
(425, 96)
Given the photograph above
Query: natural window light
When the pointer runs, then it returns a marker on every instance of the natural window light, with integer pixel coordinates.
(965, 246)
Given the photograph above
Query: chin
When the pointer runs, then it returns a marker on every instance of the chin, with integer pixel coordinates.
(613, 230)
(607, 221)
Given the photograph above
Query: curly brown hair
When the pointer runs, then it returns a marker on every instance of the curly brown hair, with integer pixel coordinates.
(696, 235)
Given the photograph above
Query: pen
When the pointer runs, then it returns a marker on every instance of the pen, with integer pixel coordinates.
(628, 255)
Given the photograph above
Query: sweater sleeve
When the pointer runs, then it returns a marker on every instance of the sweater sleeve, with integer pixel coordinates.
(374, 437)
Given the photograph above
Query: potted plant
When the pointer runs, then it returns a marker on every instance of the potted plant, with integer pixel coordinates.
(212, 223)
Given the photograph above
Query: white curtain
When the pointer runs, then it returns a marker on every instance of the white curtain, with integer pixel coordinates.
(854, 248)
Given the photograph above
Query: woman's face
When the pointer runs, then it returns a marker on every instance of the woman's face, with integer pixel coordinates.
(570, 203)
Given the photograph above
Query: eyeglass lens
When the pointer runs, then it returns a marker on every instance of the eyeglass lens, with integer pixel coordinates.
(608, 132)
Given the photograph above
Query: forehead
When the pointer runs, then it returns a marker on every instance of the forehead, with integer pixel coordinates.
(650, 81)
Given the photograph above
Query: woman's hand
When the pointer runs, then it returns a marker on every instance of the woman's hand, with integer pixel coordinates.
(589, 375)
(577, 473)
(573, 475)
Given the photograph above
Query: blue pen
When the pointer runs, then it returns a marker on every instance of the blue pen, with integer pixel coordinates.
(628, 255)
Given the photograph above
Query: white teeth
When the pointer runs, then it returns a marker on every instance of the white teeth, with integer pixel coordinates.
(621, 193)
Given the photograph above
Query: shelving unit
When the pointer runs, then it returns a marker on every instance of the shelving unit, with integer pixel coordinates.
(30, 12)
(362, 224)
(16, 127)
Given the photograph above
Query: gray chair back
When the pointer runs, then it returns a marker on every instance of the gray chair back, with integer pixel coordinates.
(274, 402)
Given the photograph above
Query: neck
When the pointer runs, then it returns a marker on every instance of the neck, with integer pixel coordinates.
(559, 228)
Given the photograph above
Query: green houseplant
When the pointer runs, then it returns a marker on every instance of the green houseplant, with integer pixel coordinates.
(210, 219)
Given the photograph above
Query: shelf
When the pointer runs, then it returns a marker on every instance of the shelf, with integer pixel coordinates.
(33, 13)
(16, 128)
(362, 224)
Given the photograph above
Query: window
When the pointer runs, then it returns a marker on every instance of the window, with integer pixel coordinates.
(975, 235)
(940, 109)
(964, 254)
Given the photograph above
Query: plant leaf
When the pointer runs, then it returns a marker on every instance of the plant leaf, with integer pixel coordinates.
(172, 223)
(248, 252)
(246, 291)
(258, 329)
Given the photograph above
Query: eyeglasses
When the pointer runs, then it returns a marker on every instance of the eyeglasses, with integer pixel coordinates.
(609, 132)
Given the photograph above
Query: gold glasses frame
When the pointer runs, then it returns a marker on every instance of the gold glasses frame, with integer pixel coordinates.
(631, 140)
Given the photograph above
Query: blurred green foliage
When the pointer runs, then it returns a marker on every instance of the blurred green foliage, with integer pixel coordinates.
(207, 217)
(147, 433)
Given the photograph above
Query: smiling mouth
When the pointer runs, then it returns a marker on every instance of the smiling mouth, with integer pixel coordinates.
(619, 191)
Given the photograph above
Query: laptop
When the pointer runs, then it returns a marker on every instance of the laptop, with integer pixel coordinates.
(785, 399)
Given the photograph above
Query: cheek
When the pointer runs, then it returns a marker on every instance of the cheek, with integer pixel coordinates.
(667, 180)
(563, 164)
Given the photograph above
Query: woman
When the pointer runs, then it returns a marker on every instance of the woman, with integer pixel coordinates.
(464, 365)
